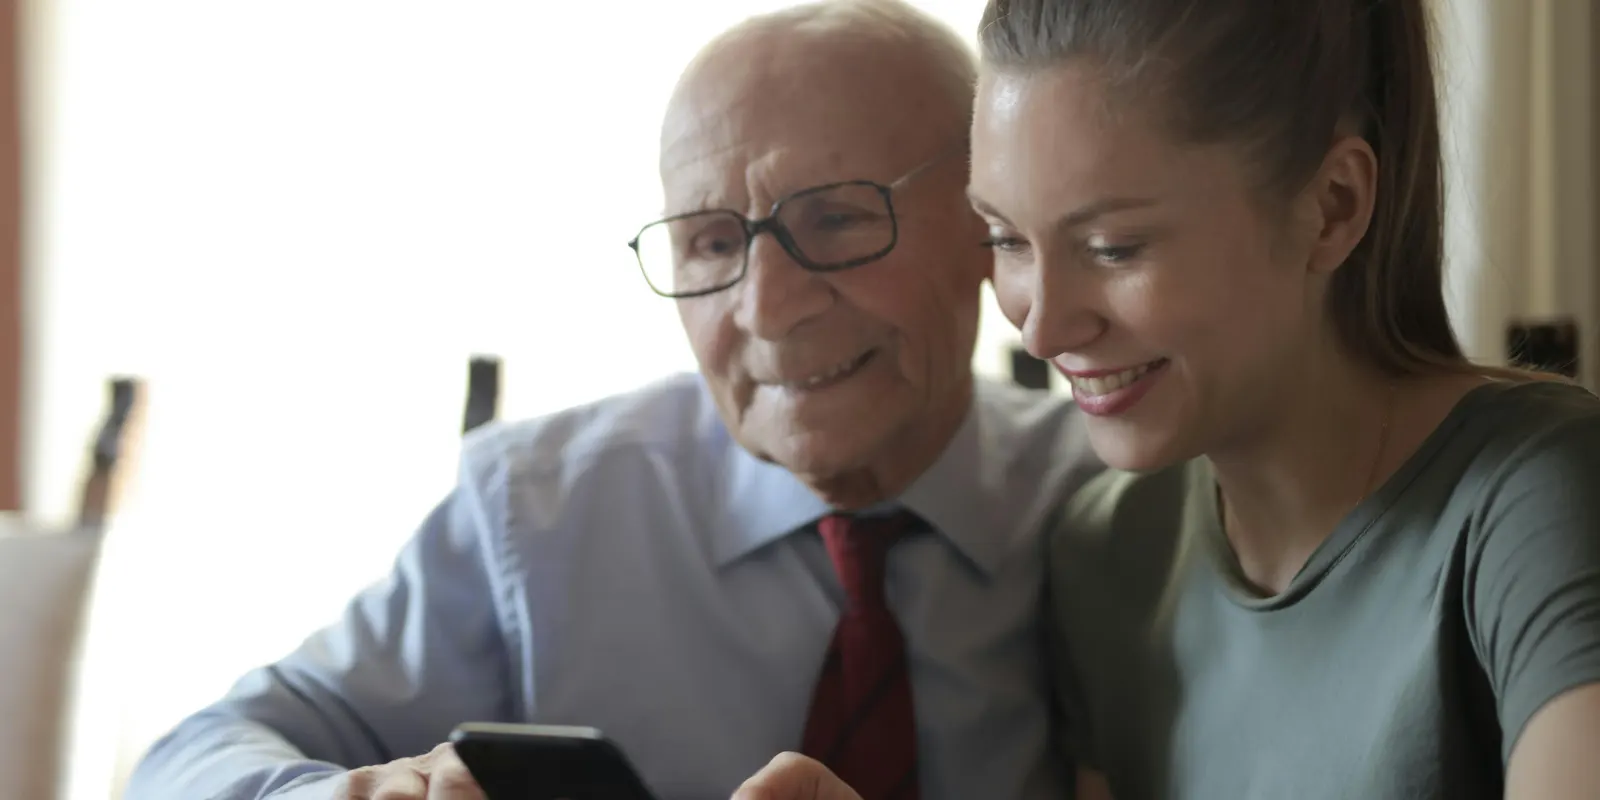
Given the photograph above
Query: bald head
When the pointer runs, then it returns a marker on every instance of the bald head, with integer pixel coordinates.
(882, 62)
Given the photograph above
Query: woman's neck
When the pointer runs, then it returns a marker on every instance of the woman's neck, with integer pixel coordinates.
(1287, 484)
(1338, 436)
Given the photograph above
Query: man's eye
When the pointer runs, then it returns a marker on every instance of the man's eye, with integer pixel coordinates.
(712, 246)
(840, 219)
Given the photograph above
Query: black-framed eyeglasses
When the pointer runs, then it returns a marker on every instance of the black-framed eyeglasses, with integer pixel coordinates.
(828, 228)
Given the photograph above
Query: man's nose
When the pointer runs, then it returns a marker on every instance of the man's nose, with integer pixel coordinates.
(777, 294)
(1063, 311)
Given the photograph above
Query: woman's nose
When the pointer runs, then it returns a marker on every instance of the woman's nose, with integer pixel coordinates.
(1062, 311)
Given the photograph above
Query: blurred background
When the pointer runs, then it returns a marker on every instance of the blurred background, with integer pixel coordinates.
(294, 222)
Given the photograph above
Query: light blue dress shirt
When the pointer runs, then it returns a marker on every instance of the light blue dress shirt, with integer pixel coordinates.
(626, 565)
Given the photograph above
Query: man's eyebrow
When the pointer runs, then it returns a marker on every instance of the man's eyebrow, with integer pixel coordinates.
(1073, 218)
(702, 200)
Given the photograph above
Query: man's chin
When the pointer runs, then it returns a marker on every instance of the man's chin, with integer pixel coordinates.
(817, 457)
(846, 468)
(814, 462)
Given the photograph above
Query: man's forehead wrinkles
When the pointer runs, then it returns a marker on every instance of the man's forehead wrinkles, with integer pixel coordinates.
(698, 178)
(702, 154)
(708, 113)
(750, 178)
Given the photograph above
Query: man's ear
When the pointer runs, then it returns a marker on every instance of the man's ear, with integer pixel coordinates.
(979, 232)
(1339, 201)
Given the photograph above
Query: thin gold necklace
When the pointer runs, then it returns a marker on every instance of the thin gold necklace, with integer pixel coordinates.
(1372, 471)
(1383, 444)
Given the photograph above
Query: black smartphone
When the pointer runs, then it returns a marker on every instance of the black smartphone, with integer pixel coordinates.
(546, 762)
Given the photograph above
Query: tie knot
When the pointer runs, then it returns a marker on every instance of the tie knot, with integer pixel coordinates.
(859, 547)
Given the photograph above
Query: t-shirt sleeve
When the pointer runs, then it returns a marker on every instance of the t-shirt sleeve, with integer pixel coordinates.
(1533, 580)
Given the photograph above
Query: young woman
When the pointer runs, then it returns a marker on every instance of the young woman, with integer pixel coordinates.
(1336, 559)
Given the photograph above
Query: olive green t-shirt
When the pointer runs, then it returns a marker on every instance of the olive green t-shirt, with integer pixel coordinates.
(1402, 662)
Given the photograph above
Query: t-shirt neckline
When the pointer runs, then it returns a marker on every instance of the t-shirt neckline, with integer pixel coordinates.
(1347, 534)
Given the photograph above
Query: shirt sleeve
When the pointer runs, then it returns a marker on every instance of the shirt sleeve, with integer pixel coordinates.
(412, 657)
(1533, 580)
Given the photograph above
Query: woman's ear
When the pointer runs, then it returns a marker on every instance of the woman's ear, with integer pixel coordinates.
(1340, 200)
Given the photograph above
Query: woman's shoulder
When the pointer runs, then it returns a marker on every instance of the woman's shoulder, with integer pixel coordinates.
(1551, 400)
(1506, 453)
(1515, 428)
(1540, 449)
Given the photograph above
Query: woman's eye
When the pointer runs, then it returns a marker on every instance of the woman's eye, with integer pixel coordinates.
(1003, 243)
(1114, 255)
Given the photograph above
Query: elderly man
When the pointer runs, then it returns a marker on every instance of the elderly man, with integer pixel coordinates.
(701, 568)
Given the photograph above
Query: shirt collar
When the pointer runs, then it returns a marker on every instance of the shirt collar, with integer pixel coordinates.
(961, 496)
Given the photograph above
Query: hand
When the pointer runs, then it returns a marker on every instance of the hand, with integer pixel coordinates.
(439, 775)
(792, 776)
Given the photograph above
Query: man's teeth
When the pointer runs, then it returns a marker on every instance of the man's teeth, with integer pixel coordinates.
(833, 373)
(1106, 384)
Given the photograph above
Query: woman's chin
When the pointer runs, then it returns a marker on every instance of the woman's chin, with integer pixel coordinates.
(1126, 448)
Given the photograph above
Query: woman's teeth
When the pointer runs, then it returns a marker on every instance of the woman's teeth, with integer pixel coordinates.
(1106, 384)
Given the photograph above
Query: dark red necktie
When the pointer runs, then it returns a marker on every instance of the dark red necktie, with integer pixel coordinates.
(862, 725)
